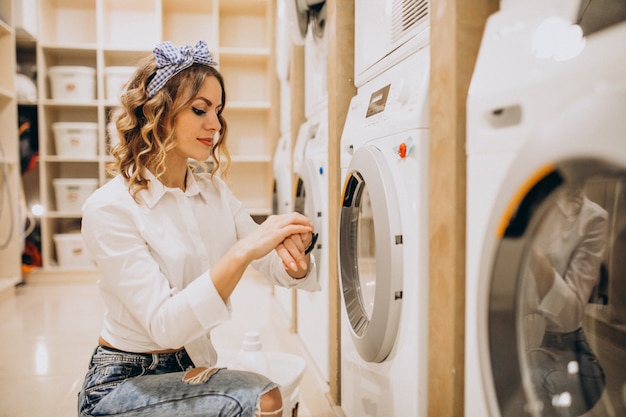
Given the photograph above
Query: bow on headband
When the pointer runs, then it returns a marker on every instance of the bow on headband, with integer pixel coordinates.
(171, 60)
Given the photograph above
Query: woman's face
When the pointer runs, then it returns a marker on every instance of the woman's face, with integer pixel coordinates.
(197, 124)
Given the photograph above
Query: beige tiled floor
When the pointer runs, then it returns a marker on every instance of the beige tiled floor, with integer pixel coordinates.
(47, 334)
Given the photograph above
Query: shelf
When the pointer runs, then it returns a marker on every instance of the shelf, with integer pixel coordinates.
(58, 275)
(5, 29)
(69, 48)
(244, 24)
(54, 158)
(7, 51)
(7, 161)
(105, 33)
(197, 17)
(248, 105)
(6, 95)
(53, 214)
(244, 54)
(70, 103)
(10, 255)
(251, 158)
(54, 16)
(236, 7)
(129, 56)
(129, 24)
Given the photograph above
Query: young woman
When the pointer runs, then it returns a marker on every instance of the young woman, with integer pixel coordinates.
(172, 245)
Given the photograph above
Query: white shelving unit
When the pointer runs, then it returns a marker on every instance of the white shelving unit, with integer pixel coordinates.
(245, 56)
(103, 33)
(10, 216)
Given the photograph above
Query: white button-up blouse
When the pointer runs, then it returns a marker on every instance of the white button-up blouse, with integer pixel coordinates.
(155, 258)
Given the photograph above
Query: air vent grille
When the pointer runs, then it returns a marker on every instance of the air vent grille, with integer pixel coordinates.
(407, 15)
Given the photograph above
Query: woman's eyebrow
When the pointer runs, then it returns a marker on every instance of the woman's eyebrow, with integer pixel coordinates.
(207, 101)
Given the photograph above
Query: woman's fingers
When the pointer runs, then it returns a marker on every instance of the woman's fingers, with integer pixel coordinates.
(288, 261)
(295, 245)
(274, 231)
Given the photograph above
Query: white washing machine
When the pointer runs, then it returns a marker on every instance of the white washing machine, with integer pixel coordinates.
(283, 190)
(383, 244)
(282, 203)
(315, 72)
(385, 32)
(311, 199)
(545, 112)
(304, 15)
(285, 168)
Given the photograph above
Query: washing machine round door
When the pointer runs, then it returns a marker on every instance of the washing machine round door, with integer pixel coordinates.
(370, 254)
(556, 267)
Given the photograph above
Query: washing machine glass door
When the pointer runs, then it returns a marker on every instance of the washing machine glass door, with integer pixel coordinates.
(371, 254)
(557, 301)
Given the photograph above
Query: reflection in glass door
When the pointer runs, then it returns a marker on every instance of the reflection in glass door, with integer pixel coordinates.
(560, 277)
(366, 247)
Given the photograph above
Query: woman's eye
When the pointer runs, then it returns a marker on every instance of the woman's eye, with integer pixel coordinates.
(197, 111)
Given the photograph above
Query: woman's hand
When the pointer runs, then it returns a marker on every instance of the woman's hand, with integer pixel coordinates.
(272, 233)
(275, 231)
(291, 251)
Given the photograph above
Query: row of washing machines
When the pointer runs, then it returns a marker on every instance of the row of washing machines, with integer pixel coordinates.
(546, 208)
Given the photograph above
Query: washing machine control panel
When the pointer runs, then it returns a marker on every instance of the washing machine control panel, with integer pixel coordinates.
(394, 101)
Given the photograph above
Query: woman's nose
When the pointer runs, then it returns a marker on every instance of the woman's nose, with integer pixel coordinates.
(213, 122)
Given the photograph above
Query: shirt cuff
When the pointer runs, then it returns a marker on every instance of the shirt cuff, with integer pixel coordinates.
(310, 282)
(206, 303)
(554, 301)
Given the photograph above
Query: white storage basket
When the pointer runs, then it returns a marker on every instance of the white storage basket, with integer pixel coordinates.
(71, 193)
(71, 251)
(75, 140)
(114, 80)
(72, 83)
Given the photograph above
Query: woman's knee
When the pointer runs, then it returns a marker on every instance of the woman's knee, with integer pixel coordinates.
(271, 403)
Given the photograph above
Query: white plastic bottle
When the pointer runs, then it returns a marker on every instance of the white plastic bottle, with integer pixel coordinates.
(251, 356)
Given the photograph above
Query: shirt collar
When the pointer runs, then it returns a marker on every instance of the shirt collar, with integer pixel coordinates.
(156, 190)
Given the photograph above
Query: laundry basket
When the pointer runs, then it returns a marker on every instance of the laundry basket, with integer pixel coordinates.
(72, 82)
(285, 369)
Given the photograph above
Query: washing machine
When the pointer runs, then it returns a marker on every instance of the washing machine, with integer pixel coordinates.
(311, 199)
(307, 24)
(383, 244)
(304, 15)
(282, 199)
(386, 32)
(282, 203)
(287, 163)
(545, 202)
(315, 70)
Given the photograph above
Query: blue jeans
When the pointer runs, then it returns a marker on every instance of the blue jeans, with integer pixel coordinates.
(551, 374)
(136, 384)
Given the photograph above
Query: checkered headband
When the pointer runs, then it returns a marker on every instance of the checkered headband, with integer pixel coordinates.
(170, 60)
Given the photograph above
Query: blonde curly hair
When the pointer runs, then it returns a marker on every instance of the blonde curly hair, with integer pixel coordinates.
(145, 125)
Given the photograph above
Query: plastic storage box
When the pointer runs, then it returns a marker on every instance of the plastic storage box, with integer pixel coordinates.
(71, 251)
(114, 138)
(72, 83)
(70, 193)
(76, 140)
(114, 80)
